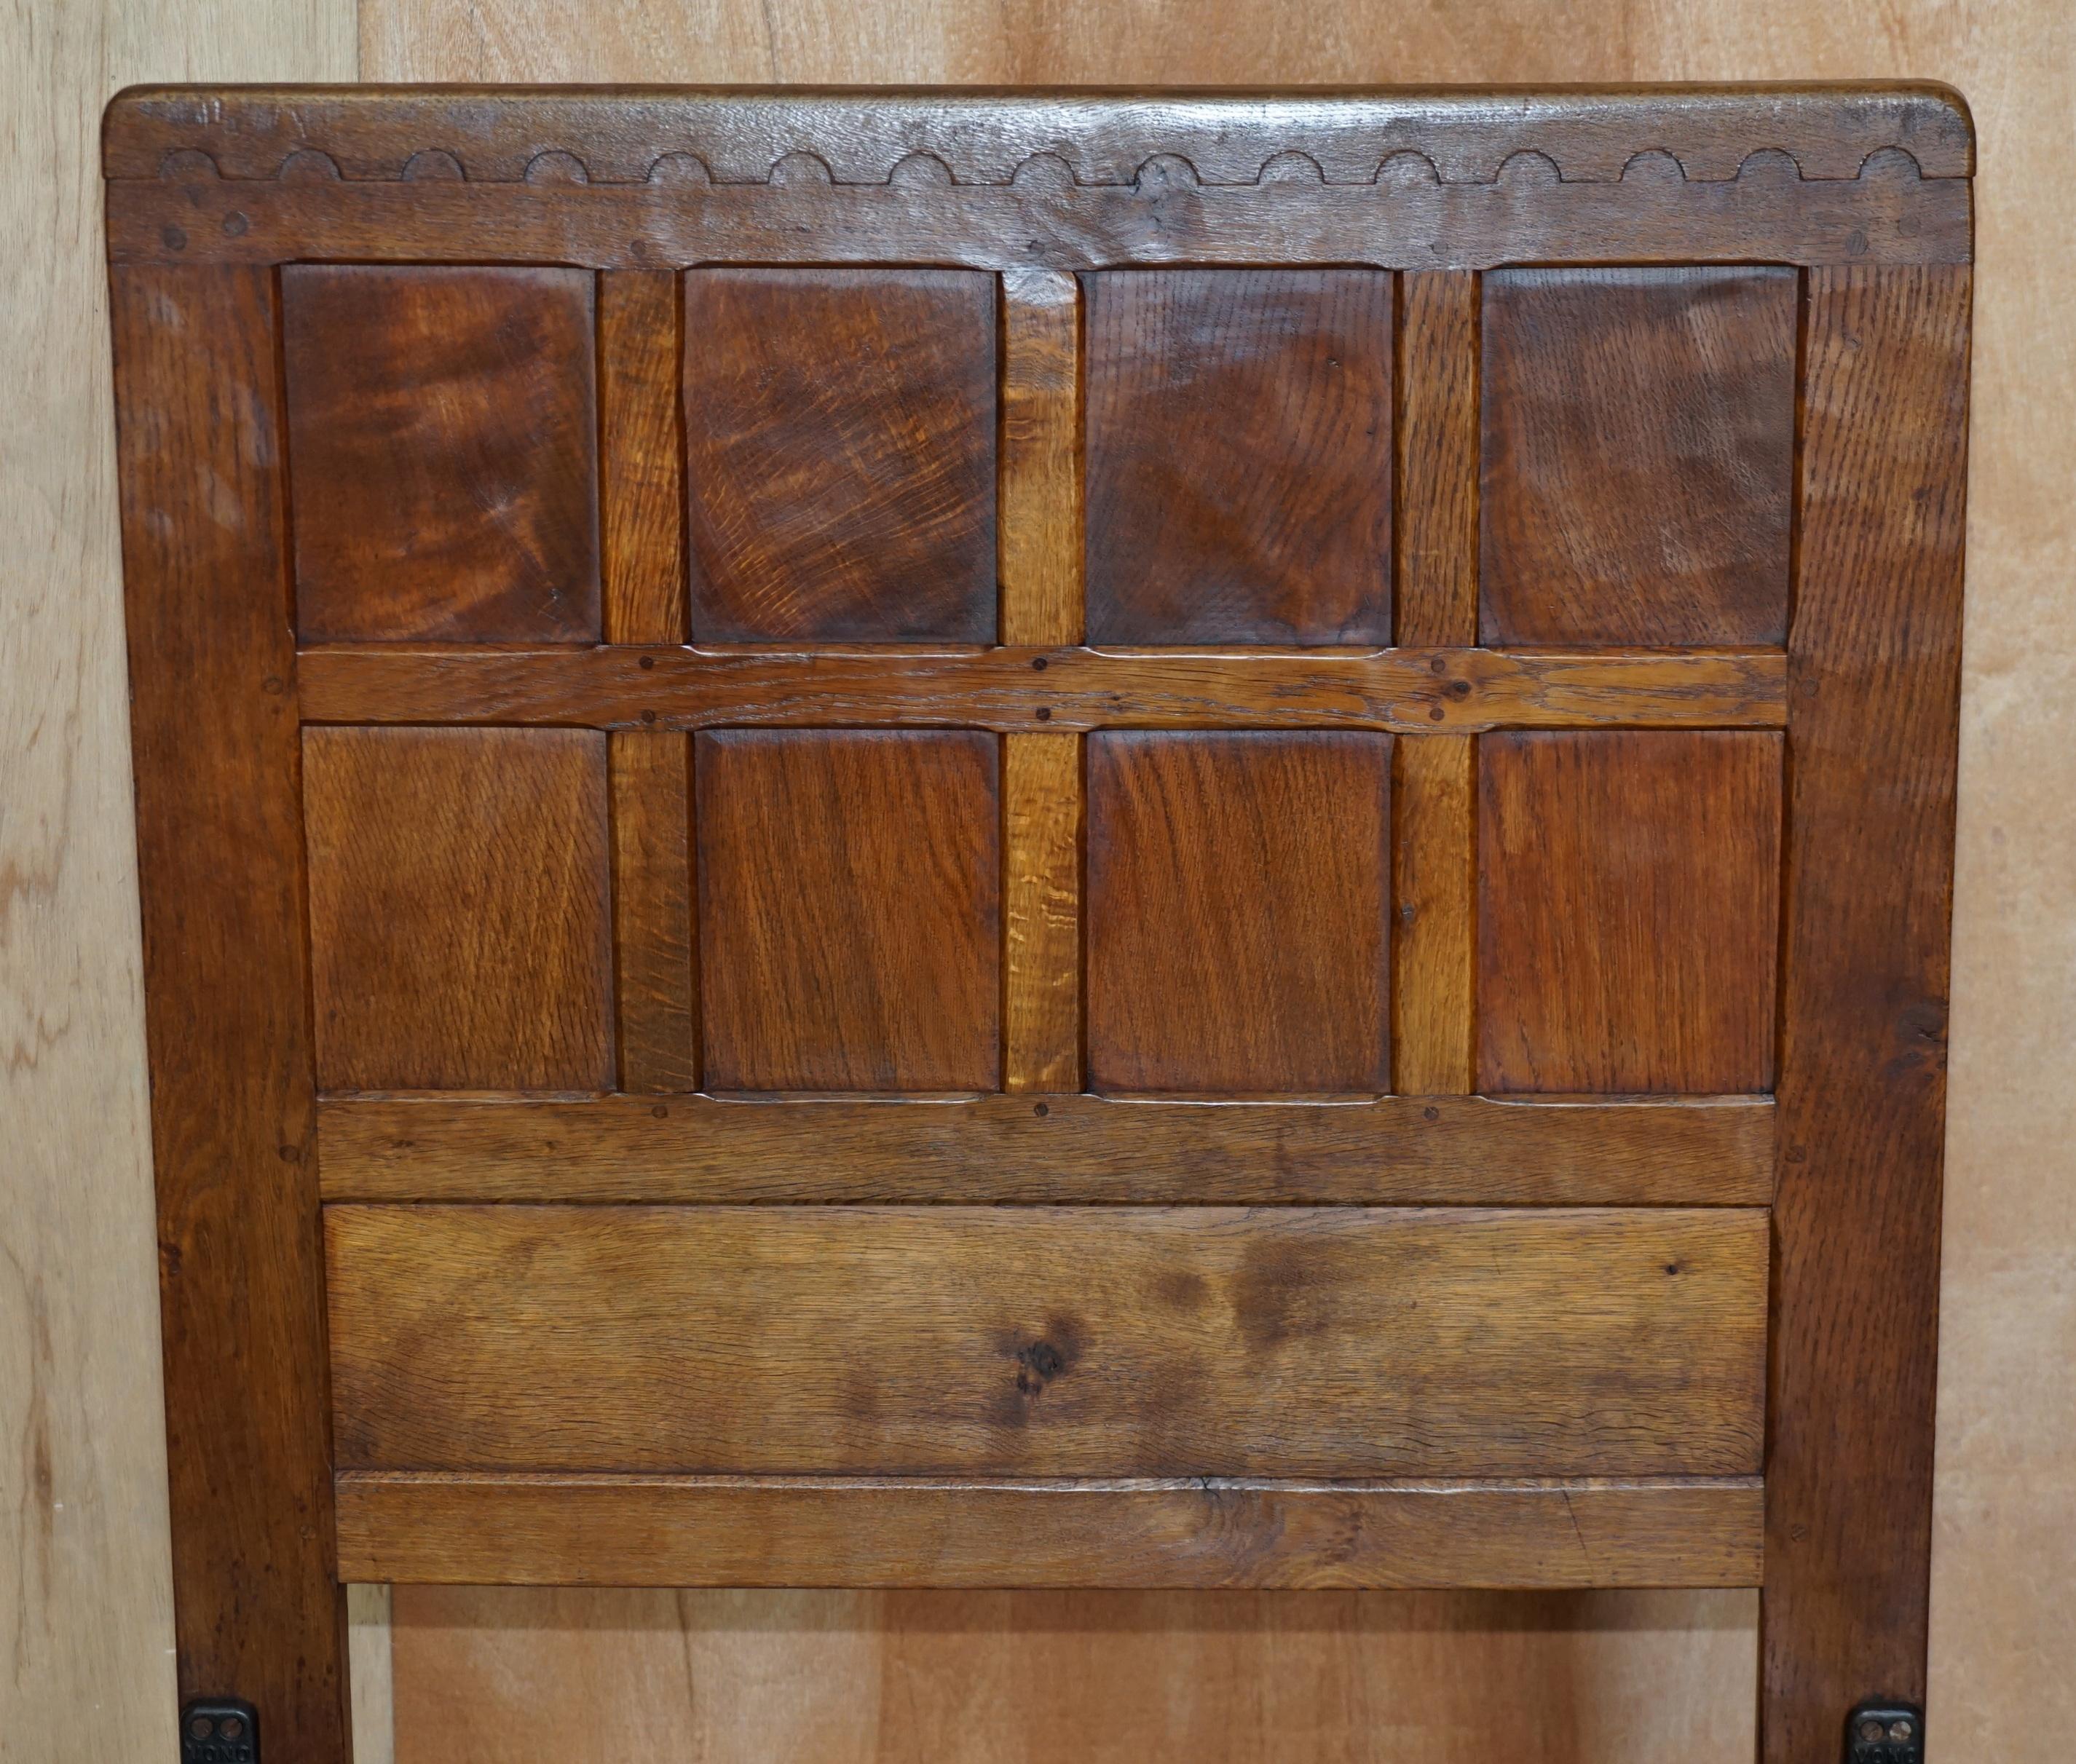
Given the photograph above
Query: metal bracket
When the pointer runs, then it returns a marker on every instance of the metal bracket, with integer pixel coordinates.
(219, 1730)
(1885, 1732)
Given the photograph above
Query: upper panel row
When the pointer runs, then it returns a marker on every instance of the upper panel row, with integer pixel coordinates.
(839, 434)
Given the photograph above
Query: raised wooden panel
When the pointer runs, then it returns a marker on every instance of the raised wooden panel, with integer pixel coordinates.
(839, 433)
(460, 927)
(1237, 897)
(1628, 911)
(1240, 451)
(849, 890)
(442, 451)
(1048, 1341)
(1638, 450)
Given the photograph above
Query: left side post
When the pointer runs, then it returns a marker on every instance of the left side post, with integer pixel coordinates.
(259, 1612)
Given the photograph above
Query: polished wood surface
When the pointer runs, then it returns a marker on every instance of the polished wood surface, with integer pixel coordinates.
(372, 133)
(655, 961)
(1237, 890)
(1239, 456)
(1404, 220)
(641, 464)
(1436, 573)
(838, 442)
(1628, 910)
(1413, 692)
(1041, 897)
(849, 910)
(459, 919)
(1877, 642)
(665, 1531)
(1039, 488)
(1071, 182)
(1434, 898)
(1407, 1151)
(1048, 1342)
(420, 401)
(1639, 448)
(227, 1023)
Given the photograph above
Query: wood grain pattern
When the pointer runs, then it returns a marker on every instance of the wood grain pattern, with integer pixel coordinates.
(850, 899)
(1874, 719)
(1433, 896)
(1040, 468)
(1414, 691)
(1435, 576)
(1401, 1150)
(1048, 1341)
(1041, 818)
(1401, 222)
(442, 425)
(839, 440)
(1628, 915)
(459, 922)
(633, 1531)
(1239, 456)
(1639, 447)
(655, 964)
(1238, 893)
(219, 852)
(532, 1675)
(643, 472)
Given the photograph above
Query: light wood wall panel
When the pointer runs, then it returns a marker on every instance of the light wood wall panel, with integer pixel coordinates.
(86, 1668)
(514, 1674)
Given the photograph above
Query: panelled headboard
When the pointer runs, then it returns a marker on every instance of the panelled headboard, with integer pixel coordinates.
(953, 838)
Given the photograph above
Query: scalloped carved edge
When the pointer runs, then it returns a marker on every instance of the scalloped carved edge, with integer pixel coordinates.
(1158, 173)
(746, 137)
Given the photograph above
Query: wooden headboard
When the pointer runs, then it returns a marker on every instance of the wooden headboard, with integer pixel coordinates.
(955, 838)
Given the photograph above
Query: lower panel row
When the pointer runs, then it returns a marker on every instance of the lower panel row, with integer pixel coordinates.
(1144, 910)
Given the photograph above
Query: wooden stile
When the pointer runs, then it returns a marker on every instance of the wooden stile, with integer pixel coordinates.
(642, 458)
(1437, 569)
(1433, 930)
(1040, 490)
(213, 722)
(1874, 728)
(1041, 822)
(655, 960)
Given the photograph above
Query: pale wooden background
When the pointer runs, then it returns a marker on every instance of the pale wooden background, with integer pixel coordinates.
(84, 1631)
